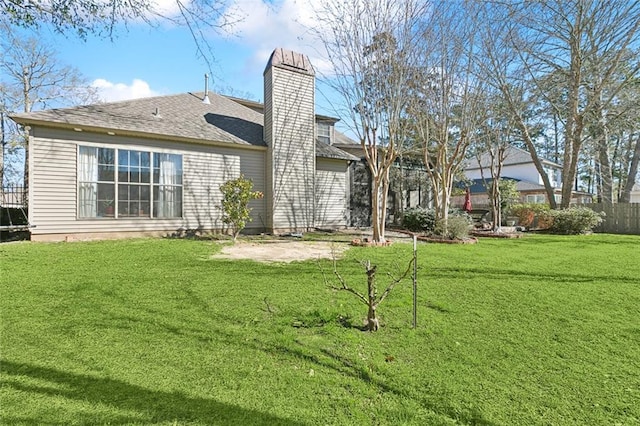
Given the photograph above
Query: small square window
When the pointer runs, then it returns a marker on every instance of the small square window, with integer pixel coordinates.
(324, 132)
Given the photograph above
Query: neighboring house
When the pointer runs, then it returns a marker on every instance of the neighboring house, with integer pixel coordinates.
(155, 165)
(518, 166)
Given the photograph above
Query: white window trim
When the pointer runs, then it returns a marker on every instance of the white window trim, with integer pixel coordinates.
(324, 137)
(116, 182)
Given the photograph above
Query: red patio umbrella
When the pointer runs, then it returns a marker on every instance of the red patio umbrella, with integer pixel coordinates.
(467, 201)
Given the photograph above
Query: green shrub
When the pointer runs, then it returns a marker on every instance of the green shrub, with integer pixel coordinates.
(456, 227)
(419, 220)
(424, 220)
(236, 194)
(461, 213)
(574, 220)
(509, 195)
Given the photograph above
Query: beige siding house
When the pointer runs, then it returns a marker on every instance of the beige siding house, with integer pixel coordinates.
(154, 166)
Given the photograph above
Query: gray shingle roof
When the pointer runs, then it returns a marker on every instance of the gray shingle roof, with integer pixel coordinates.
(514, 156)
(324, 150)
(524, 185)
(182, 116)
(478, 185)
(343, 140)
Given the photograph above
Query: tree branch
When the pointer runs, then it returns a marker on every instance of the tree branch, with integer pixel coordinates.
(394, 282)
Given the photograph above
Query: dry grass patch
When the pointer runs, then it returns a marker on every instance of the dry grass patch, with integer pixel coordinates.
(281, 251)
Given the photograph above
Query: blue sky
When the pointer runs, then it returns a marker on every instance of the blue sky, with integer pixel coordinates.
(145, 61)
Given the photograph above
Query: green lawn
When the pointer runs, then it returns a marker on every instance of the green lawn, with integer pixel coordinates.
(540, 330)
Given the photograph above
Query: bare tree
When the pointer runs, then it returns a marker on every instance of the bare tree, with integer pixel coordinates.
(581, 44)
(491, 149)
(3, 139)
(614, 138)
(33, 78)
(446, 98)
(370, 45)
(11, 163)
(371, 298)
(103, 17)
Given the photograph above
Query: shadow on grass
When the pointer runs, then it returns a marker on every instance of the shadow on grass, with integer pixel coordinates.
(152, 406)
(320, 358)
(557, 276)
(157, 406)
(317, 318)
(347, 367)
(438, 308)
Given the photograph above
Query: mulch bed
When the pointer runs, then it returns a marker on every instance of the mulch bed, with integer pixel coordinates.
(491, 234)
(365, 242)
(440, 240)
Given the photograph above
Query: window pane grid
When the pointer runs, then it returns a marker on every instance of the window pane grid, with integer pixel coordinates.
(134, 196)
(324, 132)
(130, 186)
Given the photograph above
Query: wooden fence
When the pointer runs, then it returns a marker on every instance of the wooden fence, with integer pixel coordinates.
(621, 218)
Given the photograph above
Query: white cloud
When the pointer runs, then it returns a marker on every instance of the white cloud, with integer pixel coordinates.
(168, 8)
(111, 92)
(266, 25)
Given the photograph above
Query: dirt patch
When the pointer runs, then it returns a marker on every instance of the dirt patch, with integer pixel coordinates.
(281, 251)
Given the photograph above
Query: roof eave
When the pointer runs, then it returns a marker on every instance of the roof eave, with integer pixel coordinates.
(131, 133)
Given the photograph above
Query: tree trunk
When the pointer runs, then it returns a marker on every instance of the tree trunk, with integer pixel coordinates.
(2, 144)
(625, 197)
(378, 234)
(372, 320)
(383, 205)
(399, 213)
(600, 136)
(574, 125)
(496, 205)
(573, 144)
(522, 126)
(606, 177)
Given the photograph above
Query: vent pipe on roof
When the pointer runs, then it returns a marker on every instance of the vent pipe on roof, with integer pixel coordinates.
(206, 90)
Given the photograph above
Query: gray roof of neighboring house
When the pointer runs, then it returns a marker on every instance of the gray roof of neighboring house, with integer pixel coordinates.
(343, 140)
(182, 116)
(329, 151)
(514, 156)
(478, 185)
(524, 185)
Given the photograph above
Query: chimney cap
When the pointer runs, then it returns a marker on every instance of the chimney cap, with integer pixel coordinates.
(290, 60)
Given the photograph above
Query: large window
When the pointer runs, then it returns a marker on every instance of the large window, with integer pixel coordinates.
(122, 183)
